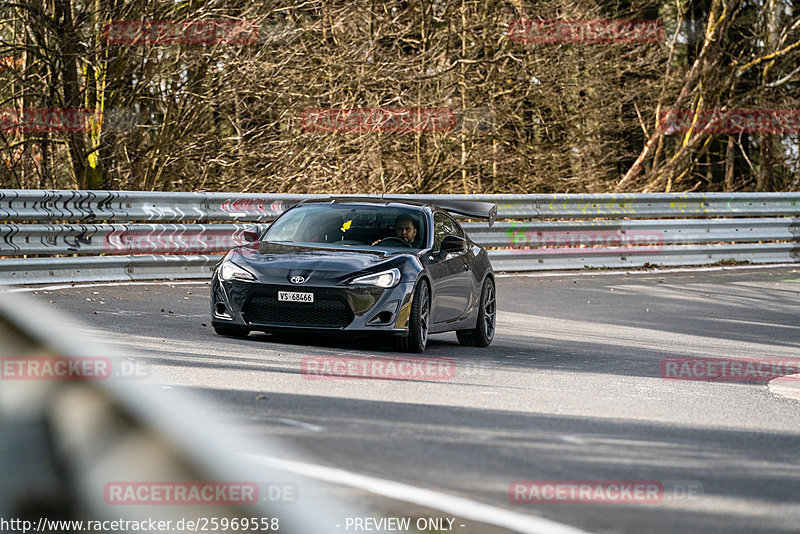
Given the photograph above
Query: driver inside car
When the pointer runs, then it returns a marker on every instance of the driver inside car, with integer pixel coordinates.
(405, 229)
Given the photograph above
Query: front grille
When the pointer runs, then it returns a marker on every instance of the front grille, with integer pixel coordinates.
(323, 312)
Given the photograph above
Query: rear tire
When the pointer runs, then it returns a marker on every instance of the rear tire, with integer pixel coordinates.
(232, 331)
(483, 333)
(418, 322)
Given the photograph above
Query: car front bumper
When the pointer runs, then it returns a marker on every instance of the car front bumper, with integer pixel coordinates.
(255, 306)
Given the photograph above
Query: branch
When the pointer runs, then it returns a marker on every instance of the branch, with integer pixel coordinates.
(768, 57)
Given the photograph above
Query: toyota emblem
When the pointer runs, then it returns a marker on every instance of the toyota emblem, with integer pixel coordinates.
(297, 279)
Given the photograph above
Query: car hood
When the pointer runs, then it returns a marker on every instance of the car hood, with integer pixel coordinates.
(276, 262)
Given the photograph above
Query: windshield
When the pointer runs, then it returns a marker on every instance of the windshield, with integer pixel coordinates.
(349, 225)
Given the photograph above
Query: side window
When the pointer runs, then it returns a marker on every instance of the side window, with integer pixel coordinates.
(457, 230)
(443, 226)
(439, 230)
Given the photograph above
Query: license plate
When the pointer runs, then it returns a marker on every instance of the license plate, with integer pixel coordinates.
(291, 296)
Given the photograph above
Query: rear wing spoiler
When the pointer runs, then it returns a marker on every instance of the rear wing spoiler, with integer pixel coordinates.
(470, 208)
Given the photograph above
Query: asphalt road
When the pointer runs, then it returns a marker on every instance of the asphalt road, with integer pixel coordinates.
(571, 389)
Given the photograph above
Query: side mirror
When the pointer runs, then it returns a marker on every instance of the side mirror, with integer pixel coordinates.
(454, 244)
(251, 233)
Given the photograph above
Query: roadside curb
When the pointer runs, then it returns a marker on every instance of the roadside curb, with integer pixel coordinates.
(786, 386)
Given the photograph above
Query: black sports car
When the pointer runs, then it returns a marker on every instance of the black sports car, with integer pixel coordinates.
(371, 265)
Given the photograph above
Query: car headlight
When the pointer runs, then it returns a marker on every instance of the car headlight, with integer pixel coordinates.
(388, 278)
(231, 271)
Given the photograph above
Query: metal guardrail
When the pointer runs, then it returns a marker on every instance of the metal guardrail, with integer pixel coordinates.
(140, 235)
(129, 206)
(648, 232)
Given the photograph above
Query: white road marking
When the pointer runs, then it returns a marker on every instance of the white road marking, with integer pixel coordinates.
(786, 386)
(573, 440)
(301, 424)
(598, 334)
(457, 506)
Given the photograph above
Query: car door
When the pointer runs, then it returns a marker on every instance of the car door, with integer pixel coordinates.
(450, 273)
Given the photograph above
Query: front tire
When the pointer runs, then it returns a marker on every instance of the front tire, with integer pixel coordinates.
(483, 333)
(418, 322)
(231, 331)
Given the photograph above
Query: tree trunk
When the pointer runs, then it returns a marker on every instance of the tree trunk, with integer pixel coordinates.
(67, 46)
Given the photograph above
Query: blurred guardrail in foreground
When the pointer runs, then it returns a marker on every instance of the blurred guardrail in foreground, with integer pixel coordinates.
(69, 436)
(63, 236)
